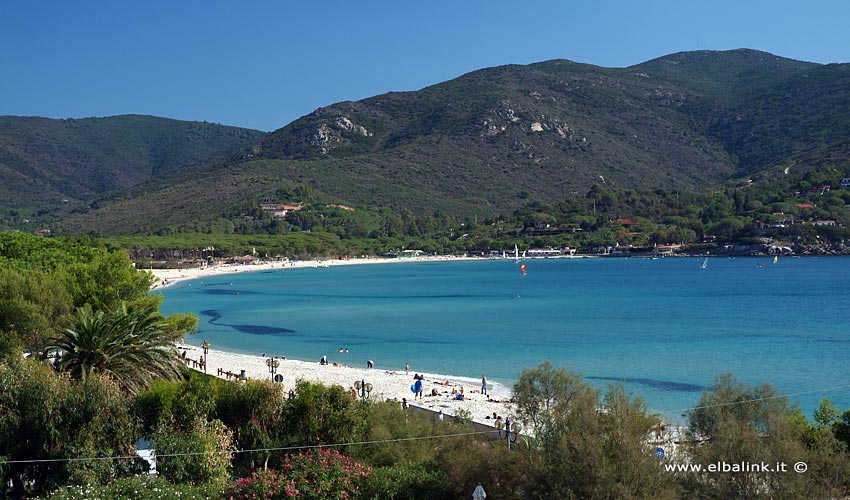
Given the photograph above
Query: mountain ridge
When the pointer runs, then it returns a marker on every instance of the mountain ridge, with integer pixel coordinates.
(49, 160)
(487, 141)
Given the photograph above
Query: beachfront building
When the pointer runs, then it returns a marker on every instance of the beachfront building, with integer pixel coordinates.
(664, 250)
(550, 252)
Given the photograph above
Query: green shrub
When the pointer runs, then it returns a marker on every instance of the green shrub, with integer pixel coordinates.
(406, 482)
(136, 488)
(196, 454)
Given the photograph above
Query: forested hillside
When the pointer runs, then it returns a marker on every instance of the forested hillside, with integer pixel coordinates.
(490, 142)
(45, 163)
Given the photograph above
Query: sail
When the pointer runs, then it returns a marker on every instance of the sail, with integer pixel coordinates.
(516, 253)
(523, 269)
(775, 259)
(704, 263)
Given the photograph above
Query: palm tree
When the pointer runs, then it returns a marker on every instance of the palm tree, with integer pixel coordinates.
(130, 346)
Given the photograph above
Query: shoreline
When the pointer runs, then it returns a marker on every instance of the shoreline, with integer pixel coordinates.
(390, 385)
(387, 385)
(168, 277)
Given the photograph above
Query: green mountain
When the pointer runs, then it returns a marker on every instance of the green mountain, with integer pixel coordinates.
(45, 163)
(490, 140)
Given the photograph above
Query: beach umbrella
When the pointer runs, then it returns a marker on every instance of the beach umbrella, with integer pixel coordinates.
(479, 493)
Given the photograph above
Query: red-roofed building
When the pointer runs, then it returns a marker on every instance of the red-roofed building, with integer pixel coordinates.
(666, 249)
(804, 206)
(278, 210)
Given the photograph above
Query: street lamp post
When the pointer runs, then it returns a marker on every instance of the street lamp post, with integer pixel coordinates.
(206, 347)
(363, 389)
(272, 363)
(508, 431)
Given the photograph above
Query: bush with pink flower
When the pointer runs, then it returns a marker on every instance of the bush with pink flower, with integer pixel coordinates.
(316, 474)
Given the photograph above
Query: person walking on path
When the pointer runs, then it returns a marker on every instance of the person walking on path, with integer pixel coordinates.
(483, 384)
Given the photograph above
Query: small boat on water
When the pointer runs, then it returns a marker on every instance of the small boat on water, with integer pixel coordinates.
(704, 263)
(775, 259)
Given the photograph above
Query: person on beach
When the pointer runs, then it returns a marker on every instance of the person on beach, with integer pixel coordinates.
(370, 364)
(407, 368)
(417, 389)
(483, 384)
(403, 403)
(323, 360)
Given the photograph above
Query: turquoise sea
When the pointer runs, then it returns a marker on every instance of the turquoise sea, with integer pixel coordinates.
(665, 327)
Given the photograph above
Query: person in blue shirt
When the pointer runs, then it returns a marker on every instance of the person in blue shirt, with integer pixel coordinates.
(418, 388)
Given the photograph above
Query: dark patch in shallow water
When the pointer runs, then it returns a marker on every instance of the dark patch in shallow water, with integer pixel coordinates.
(212, 313)
(665, 385)
(228, 291)
(214, 316)
(833, 340)
(261, 329)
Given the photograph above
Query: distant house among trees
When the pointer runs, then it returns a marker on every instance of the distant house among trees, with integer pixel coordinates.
(279, 210)
(827, 223)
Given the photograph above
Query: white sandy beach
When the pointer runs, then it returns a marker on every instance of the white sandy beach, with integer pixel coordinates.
(166, 277)
(387, 384)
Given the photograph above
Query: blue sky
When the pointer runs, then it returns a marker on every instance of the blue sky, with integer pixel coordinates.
(262, 64)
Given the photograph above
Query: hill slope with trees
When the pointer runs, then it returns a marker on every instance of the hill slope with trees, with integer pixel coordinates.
(491, 141)
(46, 163)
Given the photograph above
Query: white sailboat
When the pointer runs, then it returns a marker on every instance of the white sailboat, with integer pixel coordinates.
(704, 263)
(516, 253)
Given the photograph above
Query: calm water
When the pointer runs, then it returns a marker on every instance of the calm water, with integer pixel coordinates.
(665, 327)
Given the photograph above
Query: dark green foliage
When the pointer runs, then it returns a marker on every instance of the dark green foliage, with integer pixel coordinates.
(44, 416)
(130, 346)
(198, 451)
(408, 482)
(738, 423)
(254, 411)
(44, 280)
(318, 414)
(155, 404)
(541, 392)
(512, 476)
(589, 446)
(398, 428)
(33, 305)
(92, 275)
